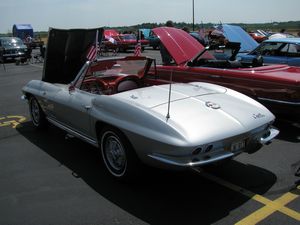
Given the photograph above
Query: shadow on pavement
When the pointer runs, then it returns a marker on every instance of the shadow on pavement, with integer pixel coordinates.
(289, 130)
(158, 197)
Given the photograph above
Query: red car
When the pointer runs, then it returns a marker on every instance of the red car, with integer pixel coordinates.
(258, 37)
(129, 41)
(276, 86)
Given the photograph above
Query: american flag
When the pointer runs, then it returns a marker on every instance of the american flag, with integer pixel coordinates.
(138, 49)
(93, 50)
(92, 53)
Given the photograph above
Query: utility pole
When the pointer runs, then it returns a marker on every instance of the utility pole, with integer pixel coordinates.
(193, 15)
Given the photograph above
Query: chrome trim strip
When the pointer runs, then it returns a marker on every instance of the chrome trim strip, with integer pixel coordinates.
(204, 73)
(279, 101)
(273, 133)
(192, 164)
(72, 132)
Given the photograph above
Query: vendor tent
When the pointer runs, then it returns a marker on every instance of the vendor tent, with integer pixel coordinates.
(22, 30)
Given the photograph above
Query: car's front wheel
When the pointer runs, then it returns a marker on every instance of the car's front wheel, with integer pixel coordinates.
(36, 113)
(118, 155)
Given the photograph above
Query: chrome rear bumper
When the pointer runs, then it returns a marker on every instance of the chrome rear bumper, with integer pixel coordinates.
(273, 132)
(221, 154)
(173, 162)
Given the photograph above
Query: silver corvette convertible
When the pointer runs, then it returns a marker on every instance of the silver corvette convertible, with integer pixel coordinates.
(119, 106)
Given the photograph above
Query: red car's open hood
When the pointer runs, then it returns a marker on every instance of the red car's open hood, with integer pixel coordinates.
(181, 46)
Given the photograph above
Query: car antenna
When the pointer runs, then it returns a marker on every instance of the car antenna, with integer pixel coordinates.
(169, 100)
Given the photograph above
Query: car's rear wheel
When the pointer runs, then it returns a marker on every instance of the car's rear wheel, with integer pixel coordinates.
(118, 155)
(36, 113)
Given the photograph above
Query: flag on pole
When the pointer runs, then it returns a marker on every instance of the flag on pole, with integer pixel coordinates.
(92, 53)
(94, 49)
(138, 49)
(112, 40)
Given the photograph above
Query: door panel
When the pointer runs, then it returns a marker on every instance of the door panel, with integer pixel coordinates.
(72, 109)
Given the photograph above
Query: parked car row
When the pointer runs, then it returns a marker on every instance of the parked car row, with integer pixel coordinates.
(275, 86)
(122, 42)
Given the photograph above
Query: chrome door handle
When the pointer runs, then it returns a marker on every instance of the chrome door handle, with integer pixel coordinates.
(87, 107)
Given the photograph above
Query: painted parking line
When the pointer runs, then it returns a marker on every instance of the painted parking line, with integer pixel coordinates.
(270, 206)
(12, 121)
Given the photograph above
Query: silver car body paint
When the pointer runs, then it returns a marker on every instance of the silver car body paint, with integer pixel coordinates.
(203, 116)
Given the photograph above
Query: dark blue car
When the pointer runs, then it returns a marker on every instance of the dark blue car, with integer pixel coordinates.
(276, 51)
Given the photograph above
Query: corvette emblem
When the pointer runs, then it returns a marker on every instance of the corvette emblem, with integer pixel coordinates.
(212, 105)
(133, 97)
(257, 116)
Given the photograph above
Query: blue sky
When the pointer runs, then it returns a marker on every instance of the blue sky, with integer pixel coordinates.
(42, 14)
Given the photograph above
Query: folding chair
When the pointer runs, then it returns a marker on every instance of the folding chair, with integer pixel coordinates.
(39, 58)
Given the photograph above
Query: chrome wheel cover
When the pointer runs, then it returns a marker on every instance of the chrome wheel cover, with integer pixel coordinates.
(113, 153)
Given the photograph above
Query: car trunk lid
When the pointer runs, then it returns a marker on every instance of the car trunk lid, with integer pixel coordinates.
(154, 96)
(216, 112)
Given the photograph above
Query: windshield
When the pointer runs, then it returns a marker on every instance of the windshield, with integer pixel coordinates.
(113, 76)
(11, 42)
(118, 67)
(129, 37)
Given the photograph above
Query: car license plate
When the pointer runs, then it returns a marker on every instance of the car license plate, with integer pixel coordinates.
(237, 146)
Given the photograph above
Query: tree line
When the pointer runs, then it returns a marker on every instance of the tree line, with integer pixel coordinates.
(290, 26)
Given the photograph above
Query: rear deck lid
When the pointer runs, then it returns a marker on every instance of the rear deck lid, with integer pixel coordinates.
(154, 96)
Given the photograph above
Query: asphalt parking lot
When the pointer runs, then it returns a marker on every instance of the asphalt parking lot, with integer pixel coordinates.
(48, 179)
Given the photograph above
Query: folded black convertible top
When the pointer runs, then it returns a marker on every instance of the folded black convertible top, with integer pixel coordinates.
(66, 53)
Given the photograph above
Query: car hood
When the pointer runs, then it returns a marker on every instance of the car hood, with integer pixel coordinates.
(219, 113)
(15, 48)
(181, 46)
(236, 34)
(66, 53)
(110, 33)
(12, 47)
